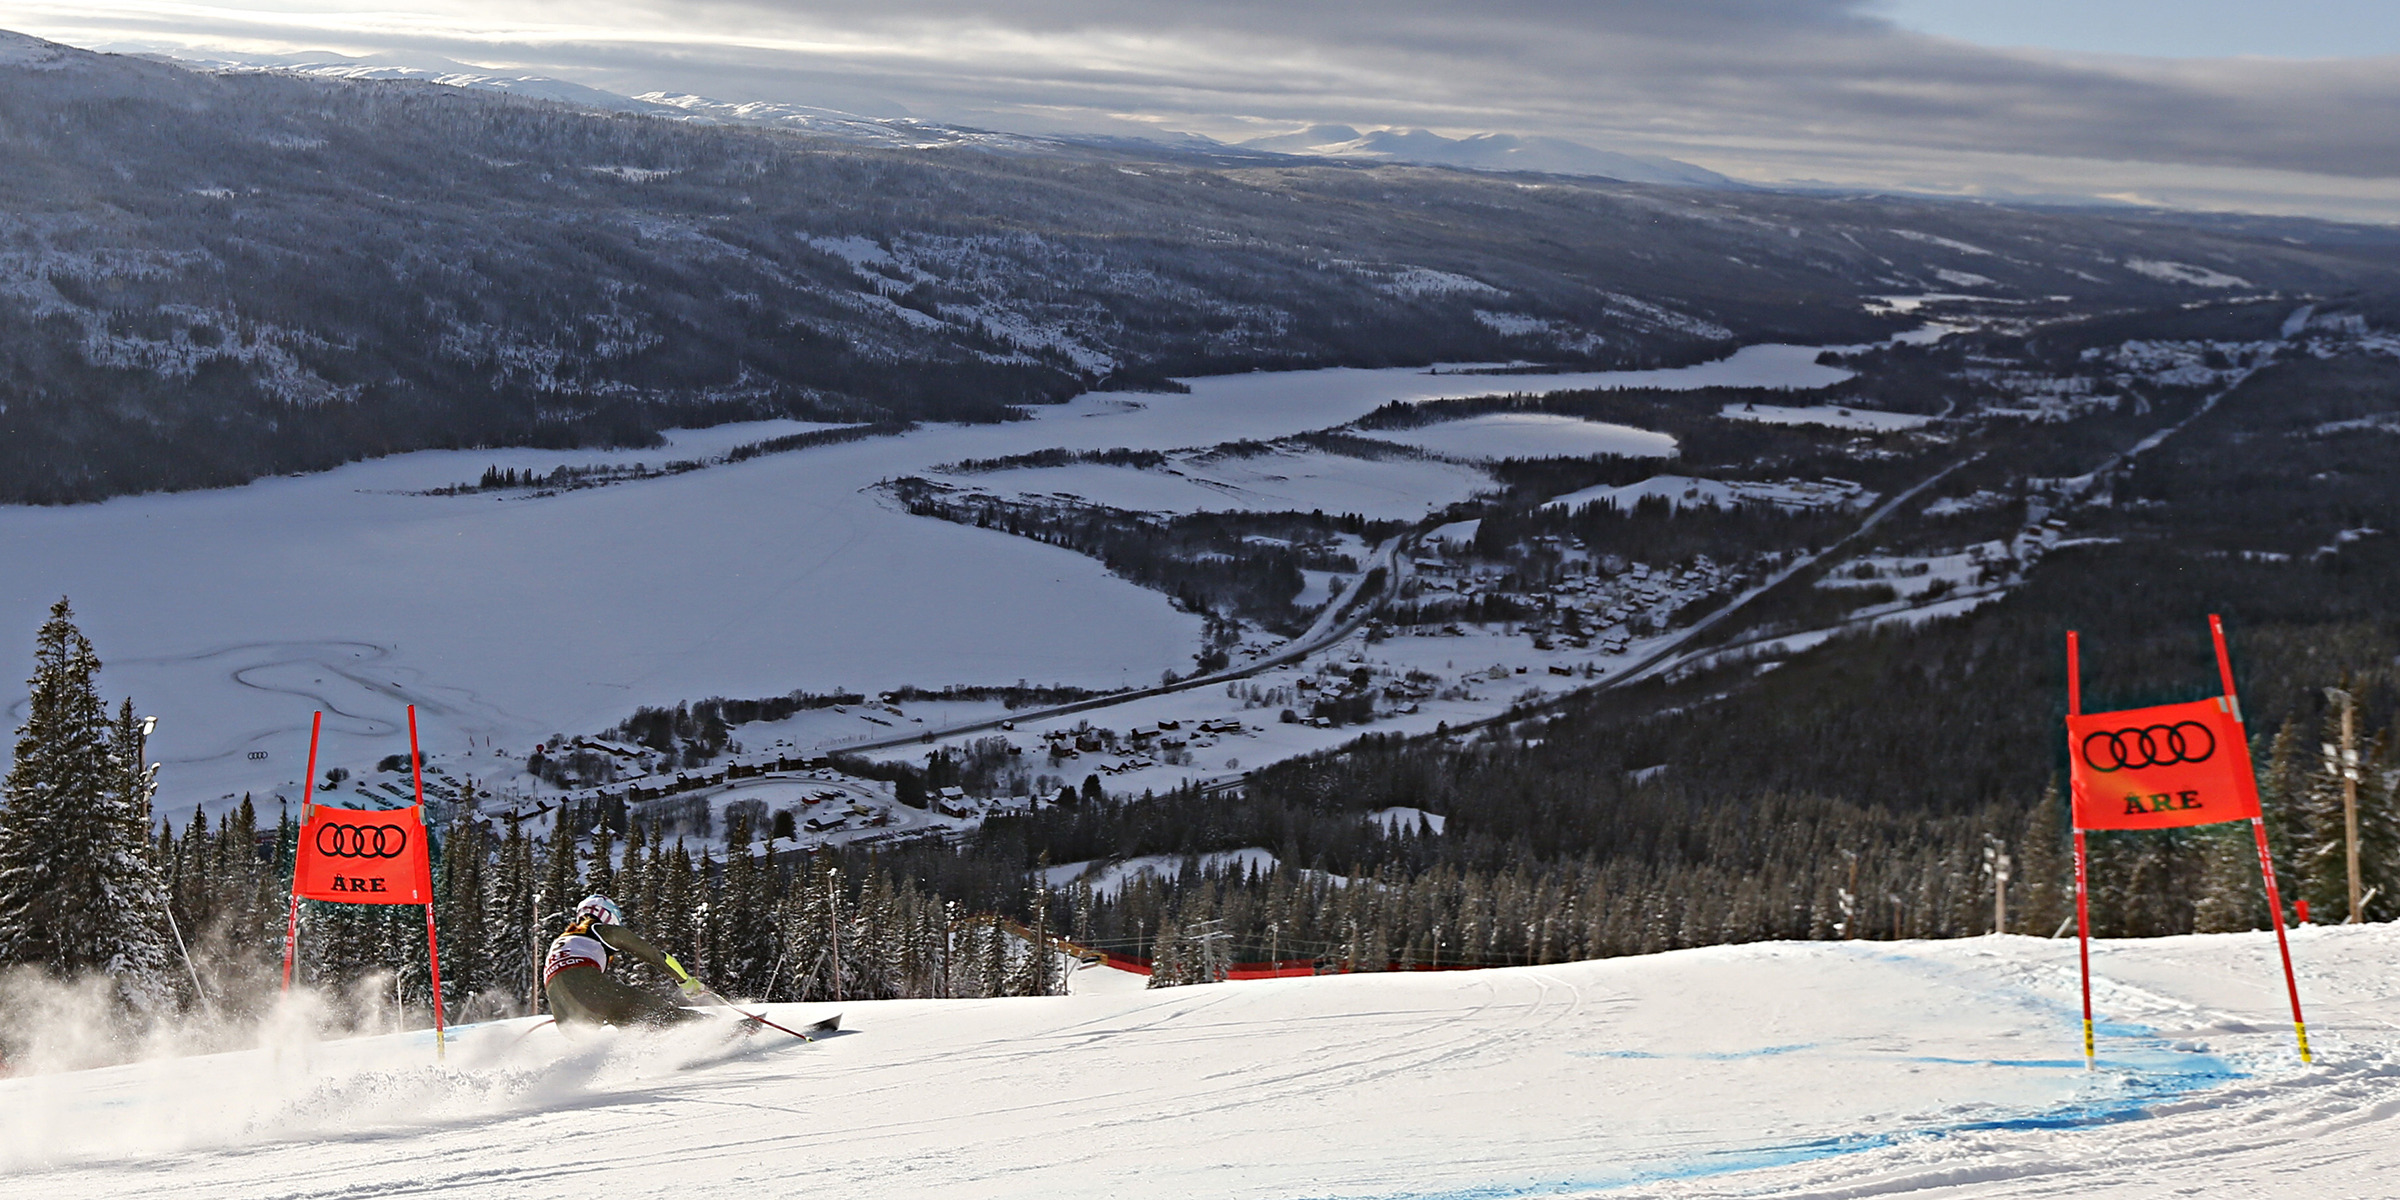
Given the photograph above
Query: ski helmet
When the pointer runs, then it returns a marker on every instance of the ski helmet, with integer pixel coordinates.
(601, 910)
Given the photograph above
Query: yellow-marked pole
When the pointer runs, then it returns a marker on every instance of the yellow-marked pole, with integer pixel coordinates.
(2266, 860)
(2083, 904)
(308, 798)
(2083, 951)
(2291, 983)
(433, 948)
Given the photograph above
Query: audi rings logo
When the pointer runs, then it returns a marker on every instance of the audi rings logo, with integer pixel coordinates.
(336, 840)
(2149, 746)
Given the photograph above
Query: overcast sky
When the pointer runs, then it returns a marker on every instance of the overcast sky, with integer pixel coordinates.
(2290, 107)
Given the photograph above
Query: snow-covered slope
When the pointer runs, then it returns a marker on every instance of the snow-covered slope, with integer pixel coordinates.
(18, 50)
(1828, 1069)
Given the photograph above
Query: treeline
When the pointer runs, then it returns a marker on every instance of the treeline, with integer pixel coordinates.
(698, 731)
(1659, 531)
(1232, 564)
(1058, 457)
(754, 924)
(565, 477)
(812, 438)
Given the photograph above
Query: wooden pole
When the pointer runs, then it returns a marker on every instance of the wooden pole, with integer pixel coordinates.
(2349, 769)
(2000, 869)
(308, 797)
(2266, 860)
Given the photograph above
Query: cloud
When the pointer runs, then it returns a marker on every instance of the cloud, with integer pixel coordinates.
(1751, 87)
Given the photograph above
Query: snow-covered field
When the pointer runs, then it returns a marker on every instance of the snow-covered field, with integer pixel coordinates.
(1680, 490)
(1275, 481)
(1832, 416)
(1531, 435)
(1914, 1069)
(508, 618)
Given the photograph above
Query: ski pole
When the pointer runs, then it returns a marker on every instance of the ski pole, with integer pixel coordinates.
(750, 1016)
(707, 995)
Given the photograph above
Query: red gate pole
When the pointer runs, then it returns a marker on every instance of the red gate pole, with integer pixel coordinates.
(2266, 859)
(2083, 906)
(308, 797)
(433, 949)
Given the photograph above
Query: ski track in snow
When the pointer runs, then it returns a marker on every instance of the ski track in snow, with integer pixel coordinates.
(1824, 1070)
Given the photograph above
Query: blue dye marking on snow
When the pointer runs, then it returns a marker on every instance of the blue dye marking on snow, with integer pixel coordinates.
(1700, 1055)
(2148, 1070)
(2052, 1063)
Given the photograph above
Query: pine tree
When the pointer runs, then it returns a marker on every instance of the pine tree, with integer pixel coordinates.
(562, 882)
(464, 888)
(748, 925)
(79, 890)
(509, 948)
(2379, 835)
(2232, 896)
(2282, 790)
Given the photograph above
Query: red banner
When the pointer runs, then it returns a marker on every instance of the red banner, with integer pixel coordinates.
(357, 856)
(2160, 768)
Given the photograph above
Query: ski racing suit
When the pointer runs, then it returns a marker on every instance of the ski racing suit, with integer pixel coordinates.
(575, 979)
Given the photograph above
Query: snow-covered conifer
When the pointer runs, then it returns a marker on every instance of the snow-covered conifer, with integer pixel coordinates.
(78, 888)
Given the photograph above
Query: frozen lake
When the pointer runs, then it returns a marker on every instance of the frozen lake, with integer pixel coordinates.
(231, 614)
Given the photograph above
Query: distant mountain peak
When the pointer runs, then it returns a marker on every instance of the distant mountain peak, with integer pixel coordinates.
(23, 50)
(1486, 152)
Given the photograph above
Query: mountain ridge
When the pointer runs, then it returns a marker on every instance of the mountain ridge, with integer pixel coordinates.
(208, 276)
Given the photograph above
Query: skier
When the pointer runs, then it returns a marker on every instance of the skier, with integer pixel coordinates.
(575, 976)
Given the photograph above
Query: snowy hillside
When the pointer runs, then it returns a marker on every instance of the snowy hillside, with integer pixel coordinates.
(1786, 1069)
(565, 274)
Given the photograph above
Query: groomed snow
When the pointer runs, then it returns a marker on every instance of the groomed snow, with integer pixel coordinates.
(1530, 435)
(1858, 1069)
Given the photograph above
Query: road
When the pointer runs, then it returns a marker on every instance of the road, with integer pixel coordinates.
(1345, 613)
(1384, 568)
